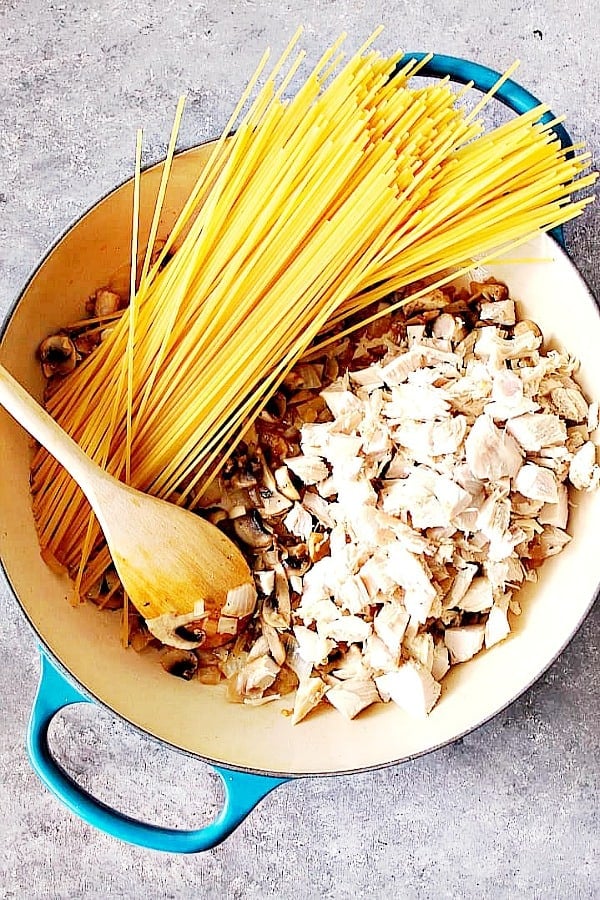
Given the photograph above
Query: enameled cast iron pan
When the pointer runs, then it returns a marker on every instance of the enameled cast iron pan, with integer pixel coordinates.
(255, 749)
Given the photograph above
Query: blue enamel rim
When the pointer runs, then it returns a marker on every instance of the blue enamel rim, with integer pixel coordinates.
(244, 788)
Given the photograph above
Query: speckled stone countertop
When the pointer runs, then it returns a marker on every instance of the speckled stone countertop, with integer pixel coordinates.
(510, 811)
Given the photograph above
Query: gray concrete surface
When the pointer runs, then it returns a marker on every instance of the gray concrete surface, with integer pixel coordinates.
(509, 812)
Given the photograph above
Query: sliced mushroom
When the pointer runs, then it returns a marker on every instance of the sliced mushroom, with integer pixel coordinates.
(250, 529)
(184, 632)
(58, 355)
(181, 663)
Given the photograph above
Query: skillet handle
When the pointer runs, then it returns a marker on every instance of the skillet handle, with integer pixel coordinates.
(510, 94)
(242, 791)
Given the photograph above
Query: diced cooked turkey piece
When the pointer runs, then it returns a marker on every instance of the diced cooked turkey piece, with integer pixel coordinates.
(491, 453)
(507, 398)
(308, 695)
(569, 404)
(309, 469)
(353, 596)
(399, 368)
(556, 513)
(493, 519)
(429, 439)
(584, 474)
(431, 499)
(319, 508)
(593, 416)
(551, 541)
(257, 675)
(390, 625)
(340, 447)
(416, 401)
(371, 377)
(410, 572)
(441, 660)
(411, 687)
(497, 349)
(460, 585)
(299, 522)
(464, 642)
(340, 400)
(374, 576)
(497, 626)
(377, 657)
(352, 696)
(500, 312)
(350, 629)
(312, 647)
(534, 431)
(314, 437)
(421, 648)
(479, 595)
(537, 482)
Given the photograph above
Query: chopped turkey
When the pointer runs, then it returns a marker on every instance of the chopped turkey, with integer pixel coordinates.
(308, 695)
(464, 642)
(536, 430)
(411, 687)
(352, 696)
(584, 474)
(413, 478)
(491, 453)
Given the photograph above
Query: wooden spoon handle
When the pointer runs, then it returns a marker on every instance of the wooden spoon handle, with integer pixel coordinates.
(24, 409)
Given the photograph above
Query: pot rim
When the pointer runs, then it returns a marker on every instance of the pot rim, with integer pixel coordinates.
(71, 677)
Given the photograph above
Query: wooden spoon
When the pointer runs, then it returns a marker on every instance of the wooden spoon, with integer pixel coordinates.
(177, 568)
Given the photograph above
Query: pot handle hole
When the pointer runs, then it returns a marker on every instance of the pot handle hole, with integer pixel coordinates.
(510, 94)
(243, 791)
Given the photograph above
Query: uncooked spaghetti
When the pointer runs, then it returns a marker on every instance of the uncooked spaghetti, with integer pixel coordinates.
(312, 210)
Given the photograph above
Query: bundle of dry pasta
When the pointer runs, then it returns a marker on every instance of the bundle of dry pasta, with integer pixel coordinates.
(313, 209)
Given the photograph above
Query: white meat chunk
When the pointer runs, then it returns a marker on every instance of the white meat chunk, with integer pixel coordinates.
(569, 403)
(414, 401)
(351, 629)
(309, 469)
(493, 519)
(308, 695)
(538, 483)
(491, 453)
(499, 312)
(479, 596)
(508, 400)
(431, 499)
(299, 522)
(377, 657)
(427, 439)
(411, 573)
(536, 430)
(441, 661)
(497, 626)
(390, 625)
(421, 648)
(312, 647)
(584, 474)
(464, 642)
(556, 513)
(352, 696)
(460, 585)
(411, 687)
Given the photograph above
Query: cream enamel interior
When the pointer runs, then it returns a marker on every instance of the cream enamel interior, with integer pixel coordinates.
(197, 718)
